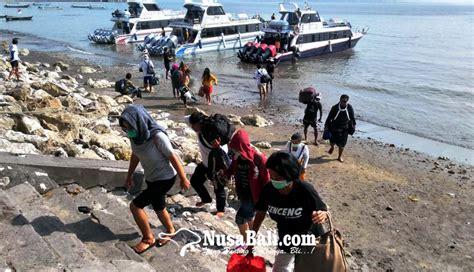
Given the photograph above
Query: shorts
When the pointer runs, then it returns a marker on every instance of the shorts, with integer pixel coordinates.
(306, 123)
(154, 194)
(14, 63)
(339, 136)
(147, 80)
(246, 211)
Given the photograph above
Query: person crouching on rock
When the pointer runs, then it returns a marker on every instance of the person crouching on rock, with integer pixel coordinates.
(251, 175)
(340, 122)
(130, 88)
(152, 148)
(294, 205)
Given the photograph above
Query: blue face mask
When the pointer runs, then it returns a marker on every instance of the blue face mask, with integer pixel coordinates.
(279, 184)
(132, 134)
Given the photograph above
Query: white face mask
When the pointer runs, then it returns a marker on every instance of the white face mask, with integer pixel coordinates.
(294, 147)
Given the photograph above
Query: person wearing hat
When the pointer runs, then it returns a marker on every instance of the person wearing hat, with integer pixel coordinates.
(311, 115)
(300, 151)
(14, 59)
(176, 75)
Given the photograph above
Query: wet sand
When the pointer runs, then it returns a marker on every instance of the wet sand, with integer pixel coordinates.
(397, 209)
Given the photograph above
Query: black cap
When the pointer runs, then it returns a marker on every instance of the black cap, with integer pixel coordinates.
(296, 136)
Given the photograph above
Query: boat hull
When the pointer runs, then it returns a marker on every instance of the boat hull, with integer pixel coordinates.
(319, 50)
(208, 46)
(139, 36)
(18, 18)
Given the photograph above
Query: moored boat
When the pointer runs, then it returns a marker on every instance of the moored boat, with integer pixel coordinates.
(17, 5)
(18, 18)
(142, 18)
(207, 27)
(300, 33)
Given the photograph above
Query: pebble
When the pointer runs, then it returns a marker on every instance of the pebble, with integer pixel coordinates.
(389, 208)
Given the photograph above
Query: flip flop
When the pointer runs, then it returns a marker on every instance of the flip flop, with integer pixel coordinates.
(150, 245)
(160, 244)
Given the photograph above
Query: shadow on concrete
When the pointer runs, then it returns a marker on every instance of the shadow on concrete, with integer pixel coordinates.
(321, 159)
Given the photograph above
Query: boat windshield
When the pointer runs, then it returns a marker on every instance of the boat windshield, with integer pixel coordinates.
(135, 10)
(292, 18)
(122, 27)
(193, 15)
(185, 35)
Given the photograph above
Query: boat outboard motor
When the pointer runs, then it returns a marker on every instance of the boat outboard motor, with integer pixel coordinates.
(256, 56)
(146, 41)
(251, 51)
(270, 51)
(241, 52)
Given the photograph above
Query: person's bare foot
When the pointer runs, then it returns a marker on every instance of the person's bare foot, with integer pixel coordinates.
(164, 239)
(331, 150)
(219, 215)
(340, 159)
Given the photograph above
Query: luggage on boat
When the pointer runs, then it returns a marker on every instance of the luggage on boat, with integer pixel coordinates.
(307, 95)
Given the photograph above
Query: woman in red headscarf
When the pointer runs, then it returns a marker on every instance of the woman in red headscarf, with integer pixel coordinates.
(251, 175)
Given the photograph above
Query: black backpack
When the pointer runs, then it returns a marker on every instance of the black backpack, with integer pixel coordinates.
(217, 126)
(120, 86)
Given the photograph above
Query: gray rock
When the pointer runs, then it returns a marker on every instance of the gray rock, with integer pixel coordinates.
(255, 120)
(264, 145)
(28, 125)
(102, 153)
(37, 178)
(132, 266)
(61, 65)
(55, 89)
(23, 52)
(86, 70)
(17, 148)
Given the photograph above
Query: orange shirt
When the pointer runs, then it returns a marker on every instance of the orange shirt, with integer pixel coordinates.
(212, 81)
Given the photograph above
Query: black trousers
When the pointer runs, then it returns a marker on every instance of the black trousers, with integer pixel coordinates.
(198, 179)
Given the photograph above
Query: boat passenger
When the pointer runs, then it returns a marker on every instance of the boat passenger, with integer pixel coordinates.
(208, 80)
(146, 66)
(311, 116)
(300, 151)
(152, 148)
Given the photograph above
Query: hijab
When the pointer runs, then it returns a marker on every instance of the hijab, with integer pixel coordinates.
(141, 121)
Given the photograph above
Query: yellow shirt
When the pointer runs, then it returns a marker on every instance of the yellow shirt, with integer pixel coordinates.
(212, 81)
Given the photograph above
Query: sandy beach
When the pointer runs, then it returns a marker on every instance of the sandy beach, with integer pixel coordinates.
(398, 210)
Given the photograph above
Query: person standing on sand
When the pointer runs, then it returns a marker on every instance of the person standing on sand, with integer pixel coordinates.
(270, 70)
(251, 175)
(340, 122)
(286, 192)
(311, 115)
(300, 151)
(208, 80)
(201, 172)
(166, 60)
(146, 66)
(152, 148)
(14, 59)
(262, 86)
(175, 79)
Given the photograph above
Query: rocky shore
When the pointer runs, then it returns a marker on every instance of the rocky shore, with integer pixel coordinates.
(397, 209)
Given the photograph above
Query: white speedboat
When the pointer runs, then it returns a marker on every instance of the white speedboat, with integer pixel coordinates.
(300, 33)
(206, 27)
(143, 17)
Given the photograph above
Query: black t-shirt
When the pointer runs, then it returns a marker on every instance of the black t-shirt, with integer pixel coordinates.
(242, 178)
(166, 58)
(291, 212)
(311, 112)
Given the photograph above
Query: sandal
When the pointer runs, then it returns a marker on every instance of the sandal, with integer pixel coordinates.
(144, 241)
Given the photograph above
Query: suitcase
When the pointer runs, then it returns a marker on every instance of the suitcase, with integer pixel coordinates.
(307, 95)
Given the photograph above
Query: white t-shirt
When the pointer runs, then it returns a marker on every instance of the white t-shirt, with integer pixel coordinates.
(259, 73)
(14, 52)
(300, 151)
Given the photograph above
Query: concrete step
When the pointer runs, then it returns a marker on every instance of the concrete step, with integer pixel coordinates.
(99, 239)
(70, 250)
(21, 248)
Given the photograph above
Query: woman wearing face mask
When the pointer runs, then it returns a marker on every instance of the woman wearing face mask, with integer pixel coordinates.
(251, 175)
(293, 204)
(301, 152)
(152, 148)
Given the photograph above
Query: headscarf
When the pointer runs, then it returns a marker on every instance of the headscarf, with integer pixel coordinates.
(241, 143)
(139, 119)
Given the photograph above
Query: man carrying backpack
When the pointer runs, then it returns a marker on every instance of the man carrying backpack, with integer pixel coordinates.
(262, 78)
(311, 115)
(125, 87)
(340, 122)
(146, 66)
(214, 158)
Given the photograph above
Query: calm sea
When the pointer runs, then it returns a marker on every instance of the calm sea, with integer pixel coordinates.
(413, 72)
